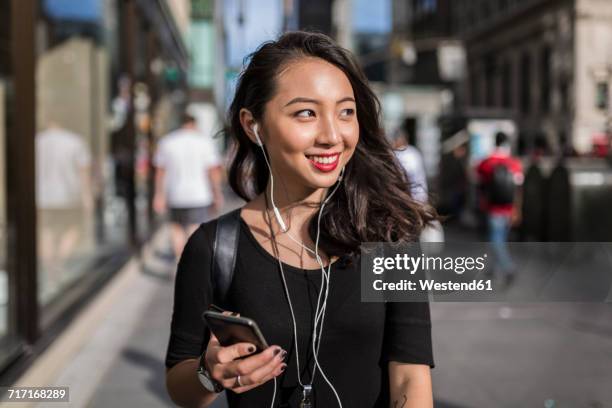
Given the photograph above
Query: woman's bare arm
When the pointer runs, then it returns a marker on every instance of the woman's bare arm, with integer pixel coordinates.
(185, 388)
(224, 365)
(410, 385)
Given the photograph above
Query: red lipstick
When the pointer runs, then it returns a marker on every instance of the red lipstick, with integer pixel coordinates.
(332, 158)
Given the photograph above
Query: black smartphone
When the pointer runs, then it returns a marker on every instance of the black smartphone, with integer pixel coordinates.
(215, 308)
(235, 329)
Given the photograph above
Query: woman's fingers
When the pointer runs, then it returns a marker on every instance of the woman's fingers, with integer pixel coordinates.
(274, 372)
(265, 372)
(213, 341)
(248, 365)
(217, 357)
(228, 354)
(253, 370)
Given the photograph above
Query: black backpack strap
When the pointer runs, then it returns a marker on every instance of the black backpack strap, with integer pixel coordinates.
(225, 251)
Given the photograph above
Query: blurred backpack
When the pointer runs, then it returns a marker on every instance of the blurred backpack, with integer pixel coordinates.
(501, 187)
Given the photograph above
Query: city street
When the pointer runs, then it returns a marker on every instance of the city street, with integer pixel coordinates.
(123, 124)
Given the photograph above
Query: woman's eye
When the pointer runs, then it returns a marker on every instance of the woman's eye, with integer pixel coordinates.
(306, 113)
(348, 112)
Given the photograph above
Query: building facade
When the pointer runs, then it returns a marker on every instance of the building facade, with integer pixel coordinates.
(422, 77)
(549, 62)
(424, 48)
(84, 88)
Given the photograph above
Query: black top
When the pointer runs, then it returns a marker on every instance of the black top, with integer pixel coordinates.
(358, 340)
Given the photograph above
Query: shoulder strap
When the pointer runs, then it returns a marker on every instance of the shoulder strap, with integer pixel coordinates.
(224, 254)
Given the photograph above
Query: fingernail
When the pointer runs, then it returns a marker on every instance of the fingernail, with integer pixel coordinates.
(283, 354)
(251, 349)
(283, 367)
(278, 350)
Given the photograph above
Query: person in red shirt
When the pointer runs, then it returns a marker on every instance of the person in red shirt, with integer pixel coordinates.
(500, 177)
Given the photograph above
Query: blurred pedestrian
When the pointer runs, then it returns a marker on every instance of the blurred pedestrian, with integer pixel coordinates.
(411, 160)
(457, 168)
(453, 180)
(187, 180)
(500, 178)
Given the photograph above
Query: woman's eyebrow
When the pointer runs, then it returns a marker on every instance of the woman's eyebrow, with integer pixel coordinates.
(308, 100)
(346, 99)
(302, 100)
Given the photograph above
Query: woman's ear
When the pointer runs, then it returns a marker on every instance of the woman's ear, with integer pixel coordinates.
(248, 122)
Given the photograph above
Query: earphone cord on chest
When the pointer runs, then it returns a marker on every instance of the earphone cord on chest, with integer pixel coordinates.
(320, 309)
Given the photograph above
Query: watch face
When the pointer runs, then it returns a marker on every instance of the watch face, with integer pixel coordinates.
(206, 381)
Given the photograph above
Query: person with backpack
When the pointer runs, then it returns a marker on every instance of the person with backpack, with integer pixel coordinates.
(319, 178)
(501, 176)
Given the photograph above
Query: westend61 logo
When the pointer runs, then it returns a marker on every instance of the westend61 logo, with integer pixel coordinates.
(478, 271)
(412, 264)
(410, 272)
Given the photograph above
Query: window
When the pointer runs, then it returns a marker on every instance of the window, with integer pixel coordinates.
(426, 6)
(545, 79)
(431, 5)
(485, 9)
(490, 77)
(507, 85)
(602, 96)
(474, 89)
(564, 94)
(81, 205)
(525, 84)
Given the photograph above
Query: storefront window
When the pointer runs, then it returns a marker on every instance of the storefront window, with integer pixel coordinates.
(79, 81)
(80, 215)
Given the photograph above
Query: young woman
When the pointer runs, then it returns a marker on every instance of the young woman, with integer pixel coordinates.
(319, 178)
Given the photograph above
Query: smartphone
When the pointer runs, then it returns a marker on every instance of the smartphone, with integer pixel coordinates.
(235, 329)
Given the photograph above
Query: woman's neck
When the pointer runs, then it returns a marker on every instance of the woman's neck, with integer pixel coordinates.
(296, 216)
(296, 207)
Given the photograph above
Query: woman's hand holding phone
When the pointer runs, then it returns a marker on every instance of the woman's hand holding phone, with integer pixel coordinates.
(225, 364)
(233, 368)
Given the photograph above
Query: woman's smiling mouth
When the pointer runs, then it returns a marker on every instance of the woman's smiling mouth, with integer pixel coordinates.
(324, 162)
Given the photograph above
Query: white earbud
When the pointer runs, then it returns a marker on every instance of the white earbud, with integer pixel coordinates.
(277, 213)
(280, 220)
(259, 142)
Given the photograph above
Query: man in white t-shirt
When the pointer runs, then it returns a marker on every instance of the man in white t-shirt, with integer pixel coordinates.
(187, 180)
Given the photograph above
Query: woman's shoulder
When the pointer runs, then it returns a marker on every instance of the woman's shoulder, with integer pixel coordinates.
(205, 233)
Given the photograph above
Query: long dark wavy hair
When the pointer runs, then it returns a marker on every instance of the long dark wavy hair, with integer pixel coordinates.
(373, 204)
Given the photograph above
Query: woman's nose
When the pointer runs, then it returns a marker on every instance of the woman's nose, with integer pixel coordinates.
(329, 133)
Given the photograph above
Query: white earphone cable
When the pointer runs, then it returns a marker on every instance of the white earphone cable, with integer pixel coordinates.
(325, 278)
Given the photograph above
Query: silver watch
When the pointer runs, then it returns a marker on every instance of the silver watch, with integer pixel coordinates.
(206, 379)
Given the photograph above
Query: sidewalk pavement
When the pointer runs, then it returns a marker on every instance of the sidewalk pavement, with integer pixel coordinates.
(136, 378)
(112, 355)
